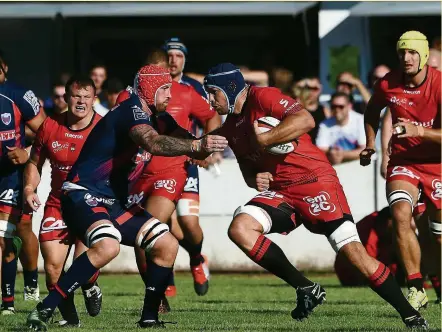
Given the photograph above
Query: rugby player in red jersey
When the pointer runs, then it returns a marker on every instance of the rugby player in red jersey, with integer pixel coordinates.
(60, 139)
(298, 186)
(413, 95)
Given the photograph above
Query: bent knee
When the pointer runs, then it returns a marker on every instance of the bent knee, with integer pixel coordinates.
(109, 248)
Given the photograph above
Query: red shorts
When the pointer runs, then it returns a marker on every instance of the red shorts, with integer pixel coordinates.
(168, 184)
(53, 227)
(426, 177)
(313, 204)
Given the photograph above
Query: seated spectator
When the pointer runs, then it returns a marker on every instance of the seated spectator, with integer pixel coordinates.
(59, 105)
(342, 136)
(255, 77)
(308, 91)
(347, 83)
(375, 232)
(114, 87)
(434, 59)
(61, 80)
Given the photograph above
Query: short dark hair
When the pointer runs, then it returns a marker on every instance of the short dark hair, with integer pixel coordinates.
(156, 55)
(341, 94)
(81, 80)
(384, 214)
(114, 85)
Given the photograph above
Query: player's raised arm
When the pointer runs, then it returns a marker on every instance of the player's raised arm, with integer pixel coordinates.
(371, 122)
(161, 145)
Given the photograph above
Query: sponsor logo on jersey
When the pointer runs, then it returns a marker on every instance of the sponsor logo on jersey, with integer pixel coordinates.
(240, 122)
(428, 124)
(134, 199)
(51, 224)
(320, 203)
(32, 100)
(411, 92)
(93, 201)
(61, 167)
(191, 185)
(9, 196)
(168, 184)
(69, 135)
(57, 147)
(400, 170)
(269, 195)
(139, 114)
(6, 118)
(437, 189)
(7, 135)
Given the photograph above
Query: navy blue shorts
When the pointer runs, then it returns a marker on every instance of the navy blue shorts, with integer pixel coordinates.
(82, 208)
(11, 194)
(192, 187)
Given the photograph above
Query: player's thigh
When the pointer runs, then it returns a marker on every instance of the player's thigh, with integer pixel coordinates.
(88, 218)
(402, 190)
(268, 212)
(159, 207)
(324, 210)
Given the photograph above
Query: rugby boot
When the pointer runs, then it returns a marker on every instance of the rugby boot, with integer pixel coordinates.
(307, 299)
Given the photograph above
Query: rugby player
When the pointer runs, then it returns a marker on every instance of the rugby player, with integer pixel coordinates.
(413, 95)
(60, 139)
(19, 108)
(187, 228)
(96, 190)
(299, 186)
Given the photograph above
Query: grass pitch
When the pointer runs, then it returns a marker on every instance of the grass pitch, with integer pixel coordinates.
(235, 302)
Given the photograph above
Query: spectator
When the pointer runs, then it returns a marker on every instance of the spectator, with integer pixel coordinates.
(114, 87)
(377, 73)
(434, 59)
(341, 137)
(61, 80)
(255, 77)
(282, 79)
(98, 74)
(58, 103)
(375, 232)
(347, 83)
(308, 91)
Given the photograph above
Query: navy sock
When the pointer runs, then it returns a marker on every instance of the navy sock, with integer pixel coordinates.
(156, 280)
(31, 278)
(78, 274)
(9, 272)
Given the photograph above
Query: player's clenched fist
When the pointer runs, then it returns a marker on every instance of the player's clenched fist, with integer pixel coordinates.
(210, 143)
(263, 181)
(365, 156)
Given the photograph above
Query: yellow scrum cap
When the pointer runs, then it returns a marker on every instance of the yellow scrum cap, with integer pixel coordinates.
(416, 41)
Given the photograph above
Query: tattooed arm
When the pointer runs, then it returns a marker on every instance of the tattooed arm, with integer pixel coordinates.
(161, 145)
